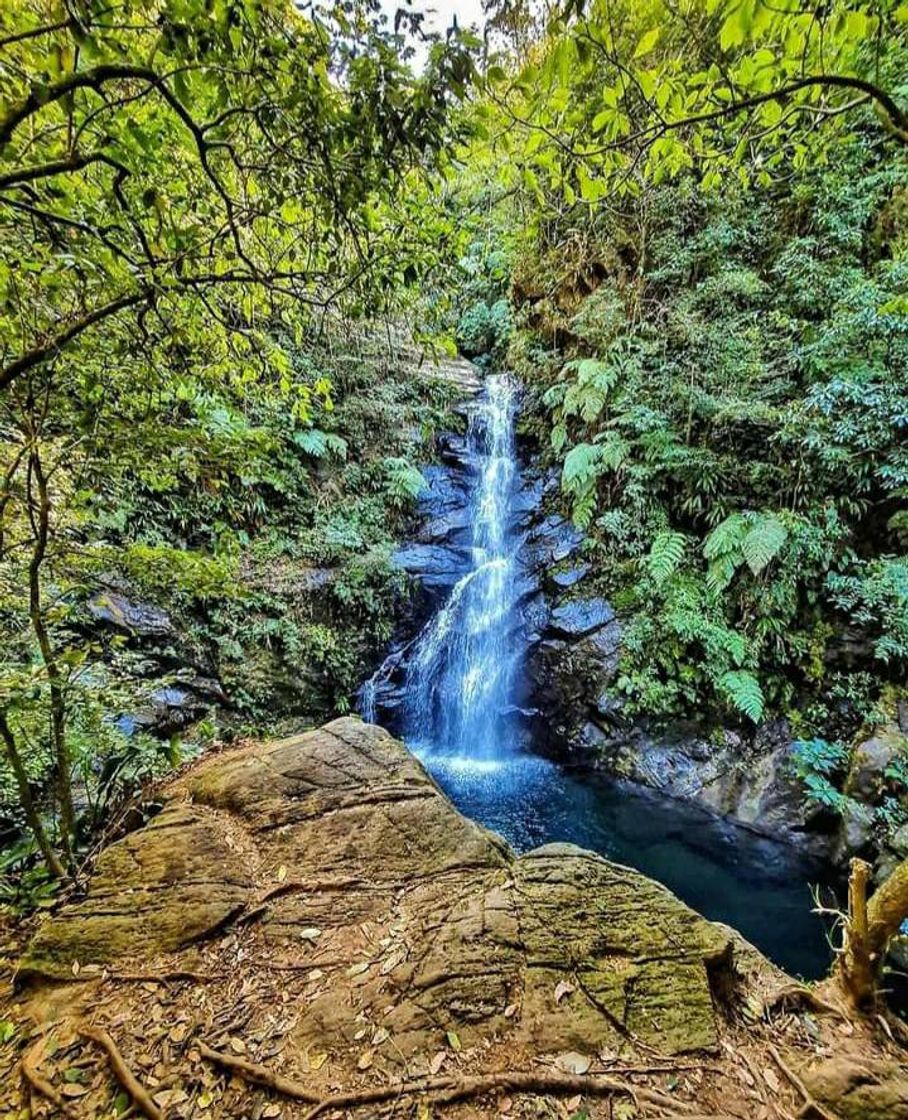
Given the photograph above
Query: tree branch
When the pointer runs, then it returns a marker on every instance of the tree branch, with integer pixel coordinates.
(38, 354)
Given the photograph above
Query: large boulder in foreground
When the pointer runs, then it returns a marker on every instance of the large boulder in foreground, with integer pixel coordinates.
(317, 907)
(335, 849)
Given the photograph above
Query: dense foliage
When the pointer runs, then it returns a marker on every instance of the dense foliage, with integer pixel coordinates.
(707, 222)
(197, 201)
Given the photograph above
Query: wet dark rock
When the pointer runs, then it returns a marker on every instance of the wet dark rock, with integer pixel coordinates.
(453, 450)
(550, 542)
(528, 499)
(569, 577)
(867, 776)
(435, 565)
(580, 617)
(170, 710)
(143, 620)
(451, 528)
(534, 616)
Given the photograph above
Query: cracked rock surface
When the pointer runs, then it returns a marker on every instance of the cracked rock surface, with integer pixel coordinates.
(335, 850)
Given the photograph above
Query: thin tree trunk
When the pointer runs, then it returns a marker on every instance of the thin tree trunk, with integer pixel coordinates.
(870, 927)
(32, 816)
(54, 676)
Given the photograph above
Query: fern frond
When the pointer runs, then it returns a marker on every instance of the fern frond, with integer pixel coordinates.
(743, 690)
(581, 467)
(583, 508)
(313, 441)
(613, 450)
(763, 542)
(665, 554)
(726, 537)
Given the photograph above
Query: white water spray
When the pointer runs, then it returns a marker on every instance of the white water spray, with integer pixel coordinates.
(460, 679)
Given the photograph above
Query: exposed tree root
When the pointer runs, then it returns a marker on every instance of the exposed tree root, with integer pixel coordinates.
(444, 1090)
(140, 1096)
(39, 1084)
(259, 1075)
(799, 995)
(178, 976)
(811, 1106)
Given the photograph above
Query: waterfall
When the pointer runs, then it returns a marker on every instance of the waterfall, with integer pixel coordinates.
(461, 675)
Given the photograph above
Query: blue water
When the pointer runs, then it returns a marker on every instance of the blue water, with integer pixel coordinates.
(728, 874)
(461, 681)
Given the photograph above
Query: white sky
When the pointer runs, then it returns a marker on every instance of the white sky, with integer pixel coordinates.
(438, 17)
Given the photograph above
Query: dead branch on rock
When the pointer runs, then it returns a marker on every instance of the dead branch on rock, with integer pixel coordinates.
(444, 1090)
(122, 1072)
(811, 1104)
(28, 1067)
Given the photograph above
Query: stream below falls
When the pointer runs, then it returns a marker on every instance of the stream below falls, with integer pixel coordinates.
(461, 714)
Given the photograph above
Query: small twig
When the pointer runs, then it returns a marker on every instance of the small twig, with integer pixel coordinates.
(811, 1104)
(122, 1072)
(40, 1084)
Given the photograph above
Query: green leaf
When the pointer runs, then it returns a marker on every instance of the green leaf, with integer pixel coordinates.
(647, 42)
(581, 466)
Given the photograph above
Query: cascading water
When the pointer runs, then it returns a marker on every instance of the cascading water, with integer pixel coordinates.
(454, 693)
(461, 673)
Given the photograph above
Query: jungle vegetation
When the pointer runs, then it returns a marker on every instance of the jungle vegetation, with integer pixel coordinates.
(682, 222)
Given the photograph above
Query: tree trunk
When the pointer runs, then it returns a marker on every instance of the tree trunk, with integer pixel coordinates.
(41, 524)
(870, 927)
(32, 816)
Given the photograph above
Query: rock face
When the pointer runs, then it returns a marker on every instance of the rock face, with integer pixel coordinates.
(335, 851)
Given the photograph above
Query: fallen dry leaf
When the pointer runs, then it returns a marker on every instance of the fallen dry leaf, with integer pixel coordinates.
(365, 1059)
(437, 1062)
(562, 990)
(237, 1045)
(572, 1062)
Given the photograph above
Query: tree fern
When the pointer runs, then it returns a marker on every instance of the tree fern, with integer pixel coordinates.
(726, 537)
(743, 690)
(582, 467)
(613, 450)
(665, 555)
(318, 444)
(763, 542)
